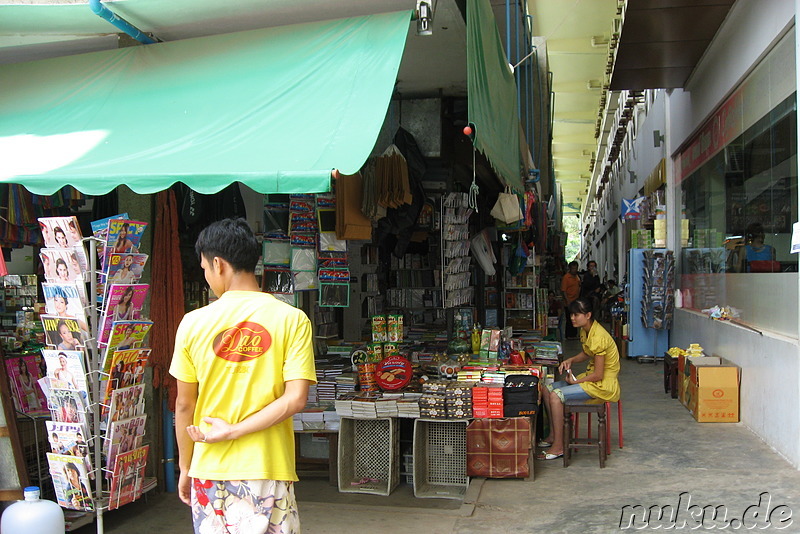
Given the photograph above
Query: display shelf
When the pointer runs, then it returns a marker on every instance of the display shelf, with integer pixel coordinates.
(519, 293)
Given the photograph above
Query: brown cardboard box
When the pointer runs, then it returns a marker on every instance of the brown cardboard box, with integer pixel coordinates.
(712, 394)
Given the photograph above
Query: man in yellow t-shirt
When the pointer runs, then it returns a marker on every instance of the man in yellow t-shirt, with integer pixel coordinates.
(243, 365)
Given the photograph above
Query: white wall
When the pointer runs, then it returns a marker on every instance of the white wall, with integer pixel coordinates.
(770, 390)
(768, 394)
(747, 34)
(22, 261)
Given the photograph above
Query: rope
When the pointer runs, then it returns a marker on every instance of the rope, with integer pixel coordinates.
(473, 188)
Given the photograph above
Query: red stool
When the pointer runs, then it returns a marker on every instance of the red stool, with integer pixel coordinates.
(608, 426)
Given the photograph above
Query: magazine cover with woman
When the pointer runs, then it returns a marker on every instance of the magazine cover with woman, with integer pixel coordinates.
(123, 436)
(125, 403)
(124, 302)
(67, 406)
(125, 268)
(65, 370)
(63, 266)
(122, 237)
(24, 373)
(127, 369)
(68, 300)
(124, 335)
(64, 333)
(60, 232)
(71, 481)
(128, 477)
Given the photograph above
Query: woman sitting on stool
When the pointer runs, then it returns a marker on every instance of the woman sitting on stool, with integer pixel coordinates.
(598, 382)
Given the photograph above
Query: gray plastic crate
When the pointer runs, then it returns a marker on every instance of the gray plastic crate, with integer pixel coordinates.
(369, 459)
(440, 459)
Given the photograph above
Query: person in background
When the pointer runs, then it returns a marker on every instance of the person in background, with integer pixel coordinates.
(607, 299)
(757, 257)
(570, 290)
(591, 286)
(598, 382)
(243, 365)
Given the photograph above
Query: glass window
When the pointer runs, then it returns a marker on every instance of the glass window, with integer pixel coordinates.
(741, 204)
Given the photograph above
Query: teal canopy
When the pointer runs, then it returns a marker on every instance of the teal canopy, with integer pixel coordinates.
(492, 93)
(276, 109)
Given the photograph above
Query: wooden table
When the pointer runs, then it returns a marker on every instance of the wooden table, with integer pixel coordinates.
(331, 461)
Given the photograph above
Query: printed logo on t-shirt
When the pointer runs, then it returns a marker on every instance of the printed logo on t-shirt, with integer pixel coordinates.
(243, 342)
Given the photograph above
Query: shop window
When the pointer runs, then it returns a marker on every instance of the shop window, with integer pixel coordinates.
(741, 204)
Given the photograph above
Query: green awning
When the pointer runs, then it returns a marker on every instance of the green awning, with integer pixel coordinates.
(492, 94)
(276, 109)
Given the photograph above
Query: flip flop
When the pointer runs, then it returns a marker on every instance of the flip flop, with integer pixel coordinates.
(544, 444)
(548, 456)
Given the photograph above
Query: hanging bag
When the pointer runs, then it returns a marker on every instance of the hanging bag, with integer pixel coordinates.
(507, 209)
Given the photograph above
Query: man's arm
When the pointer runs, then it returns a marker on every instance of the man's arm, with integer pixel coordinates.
(184, 415)
(292, 401)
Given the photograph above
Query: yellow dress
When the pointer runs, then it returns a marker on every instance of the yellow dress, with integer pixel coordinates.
(600, 342)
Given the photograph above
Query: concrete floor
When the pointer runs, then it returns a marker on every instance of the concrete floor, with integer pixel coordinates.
(666, 454)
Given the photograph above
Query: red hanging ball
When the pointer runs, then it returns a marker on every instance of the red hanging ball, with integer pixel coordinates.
(467, 130)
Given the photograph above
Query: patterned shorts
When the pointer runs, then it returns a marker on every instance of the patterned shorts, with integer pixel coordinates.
(244, 507)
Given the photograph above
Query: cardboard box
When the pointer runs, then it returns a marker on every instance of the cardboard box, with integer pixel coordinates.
(712, 391)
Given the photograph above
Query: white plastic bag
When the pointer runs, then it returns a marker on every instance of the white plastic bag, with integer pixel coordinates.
(507, 209)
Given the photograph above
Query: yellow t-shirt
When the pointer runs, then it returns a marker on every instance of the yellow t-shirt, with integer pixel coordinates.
(600, 342)
(240, 350)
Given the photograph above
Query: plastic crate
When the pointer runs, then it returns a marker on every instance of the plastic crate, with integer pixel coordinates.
(369, 459)
(440, 459)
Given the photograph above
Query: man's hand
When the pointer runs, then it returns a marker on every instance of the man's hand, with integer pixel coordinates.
(185, 489)
(220, 430)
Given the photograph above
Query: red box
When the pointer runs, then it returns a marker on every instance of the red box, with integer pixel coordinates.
(479, 412)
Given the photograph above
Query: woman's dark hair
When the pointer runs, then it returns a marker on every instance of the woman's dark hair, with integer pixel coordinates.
(754, 230)
(581, 305)
(233, 241)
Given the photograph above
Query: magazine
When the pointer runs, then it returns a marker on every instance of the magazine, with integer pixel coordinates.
(69, 439)
(64, 333)
(122, 237)
(124, 335)
(123, 436)
(68, 299)
(70, 481)
(100, 231)
(24, 373)
(124, 302)
(67, 406)
(60, 232)
(64, 265)
(126, 482)
(65, 370)
(127, 369)
(125, 403)
(125, 268)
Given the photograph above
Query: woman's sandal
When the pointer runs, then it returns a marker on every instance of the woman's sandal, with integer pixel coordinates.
(548, 456)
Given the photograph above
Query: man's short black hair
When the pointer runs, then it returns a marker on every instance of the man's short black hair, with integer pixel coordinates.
(233, 241)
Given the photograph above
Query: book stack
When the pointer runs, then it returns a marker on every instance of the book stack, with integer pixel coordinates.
(332, 419)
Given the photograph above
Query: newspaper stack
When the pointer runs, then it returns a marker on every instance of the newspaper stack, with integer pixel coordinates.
(364, 407)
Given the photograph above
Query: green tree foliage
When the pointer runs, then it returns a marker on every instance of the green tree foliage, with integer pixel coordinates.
(573, 229)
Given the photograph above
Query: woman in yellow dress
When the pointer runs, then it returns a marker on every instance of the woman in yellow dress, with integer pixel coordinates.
(598, 382)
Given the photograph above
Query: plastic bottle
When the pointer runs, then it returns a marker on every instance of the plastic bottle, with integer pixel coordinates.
(476, 338)
(33, 515)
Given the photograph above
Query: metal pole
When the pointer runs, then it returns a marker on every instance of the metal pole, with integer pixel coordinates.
(95, 365)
